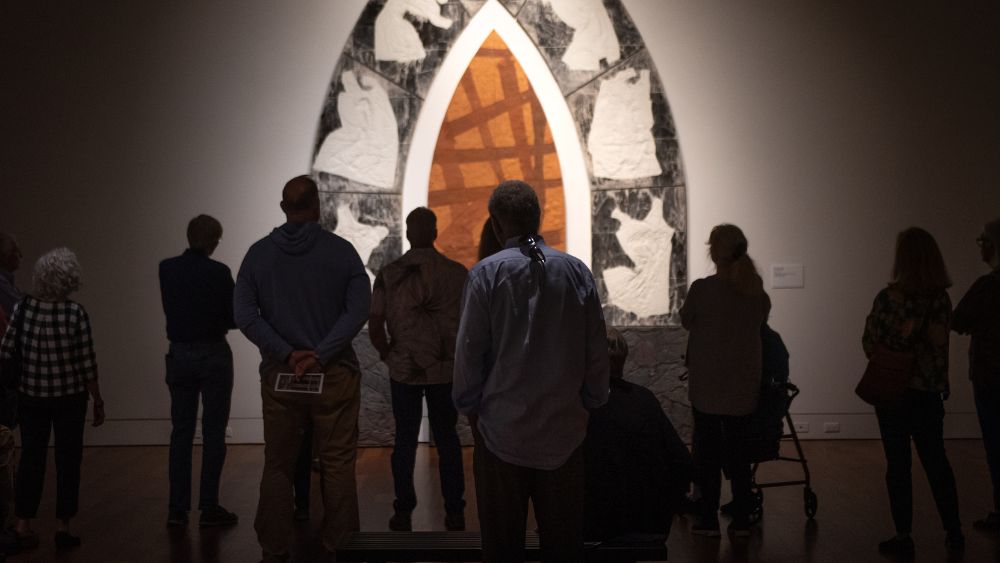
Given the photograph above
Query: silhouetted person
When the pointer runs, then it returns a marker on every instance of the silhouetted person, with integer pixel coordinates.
(531, 359)
(58, 371)
(10, 261)
(978, 314)
(197, 294)
(724, 314)
(302, 295)
(913, 314)
(418, 297)
(488, 243)
(637, 467)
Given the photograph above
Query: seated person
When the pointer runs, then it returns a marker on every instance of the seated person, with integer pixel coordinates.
(637, 467)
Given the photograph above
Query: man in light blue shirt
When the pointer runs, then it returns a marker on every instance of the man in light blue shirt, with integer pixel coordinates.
(531, 359)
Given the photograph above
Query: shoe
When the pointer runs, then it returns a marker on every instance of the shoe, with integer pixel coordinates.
(301, 513)
(27, 540)
(739, 529)
(454, 521)
(955, 541)
(66, 540)
(897, 546)
(401, 521)
(990, 523)
(177, 519)
(216, 516)
(706, 527)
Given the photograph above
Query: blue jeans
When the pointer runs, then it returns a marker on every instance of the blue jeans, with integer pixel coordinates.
(193, 369)
(407, 408)
(988, 409)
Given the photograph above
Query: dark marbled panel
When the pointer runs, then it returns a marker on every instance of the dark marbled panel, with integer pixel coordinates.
(415, 76)
(369, 209)
(513, 6)
(405, 107)
(582, 102)
(552, 36)
(656, 361)
(607, 251)
(473, 6)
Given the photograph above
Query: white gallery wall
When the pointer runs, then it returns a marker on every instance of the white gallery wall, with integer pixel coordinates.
(822, 129)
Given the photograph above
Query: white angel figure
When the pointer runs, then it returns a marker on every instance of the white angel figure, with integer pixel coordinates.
(366, 147)
(594, 35)
(365, 238)
(620, 141)
(395, 38)
(645, 288)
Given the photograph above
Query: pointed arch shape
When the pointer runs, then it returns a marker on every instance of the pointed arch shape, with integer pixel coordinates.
(598, 209)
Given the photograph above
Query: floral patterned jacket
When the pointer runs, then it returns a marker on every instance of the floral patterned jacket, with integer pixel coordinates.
(918, 322)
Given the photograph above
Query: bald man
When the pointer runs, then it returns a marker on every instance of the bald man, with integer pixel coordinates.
(302, 295)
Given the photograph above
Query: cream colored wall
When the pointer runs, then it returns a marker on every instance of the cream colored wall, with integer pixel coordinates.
(820, 129)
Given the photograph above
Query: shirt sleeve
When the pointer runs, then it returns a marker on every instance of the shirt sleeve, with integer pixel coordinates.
(86, 359)
(228, 287)
(595, 384)
(870, 335)
(378, 296)
(688, 308)
(473, 346)
(357, 306)
(10, 336)
(246, 314)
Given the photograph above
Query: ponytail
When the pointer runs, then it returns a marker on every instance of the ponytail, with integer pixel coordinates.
(742, 276)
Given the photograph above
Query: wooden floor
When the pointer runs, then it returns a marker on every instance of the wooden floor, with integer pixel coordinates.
(123, 509)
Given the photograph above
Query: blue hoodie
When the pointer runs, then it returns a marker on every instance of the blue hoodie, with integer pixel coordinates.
(302, 288)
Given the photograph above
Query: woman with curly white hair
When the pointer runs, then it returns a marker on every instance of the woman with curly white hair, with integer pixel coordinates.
(58, 371)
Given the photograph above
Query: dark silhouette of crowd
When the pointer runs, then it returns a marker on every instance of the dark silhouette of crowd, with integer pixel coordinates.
(517, 344)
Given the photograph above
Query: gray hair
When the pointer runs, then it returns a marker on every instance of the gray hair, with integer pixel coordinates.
(56, 275)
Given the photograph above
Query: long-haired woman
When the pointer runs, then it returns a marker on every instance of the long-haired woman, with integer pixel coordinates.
(913, 313)
(724, 314)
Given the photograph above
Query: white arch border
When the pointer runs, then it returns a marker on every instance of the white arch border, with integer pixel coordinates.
(576, 180)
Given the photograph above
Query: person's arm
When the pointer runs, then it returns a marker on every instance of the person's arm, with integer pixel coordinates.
(472, 347)
(595, 383)
(86, 363)
(228, 287)
(376, 322)
(357, 305)
(971, 308)
(871, 322)
(938, 331)
(688, 308)
(246, 315)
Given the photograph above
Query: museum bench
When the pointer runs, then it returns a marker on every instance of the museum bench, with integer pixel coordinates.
(381, 547)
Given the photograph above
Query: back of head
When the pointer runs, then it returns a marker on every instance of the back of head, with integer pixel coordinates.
(204, 233)
(514, 205)
(919, 268)
(617, 352)
(421, 227)
(727, 246)
(300, 200)
(488, 242)
(10, 254)
(56, 275)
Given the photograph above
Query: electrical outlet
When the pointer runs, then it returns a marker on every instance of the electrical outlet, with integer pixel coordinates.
(802, 427)
(831, 427)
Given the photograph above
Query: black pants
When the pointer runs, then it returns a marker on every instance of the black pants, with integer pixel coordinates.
(40, 418)
(502, 492)
(407, 408)
(988, 409)
(920, 416)
(303, 470)
(716, 444)
(196, 369)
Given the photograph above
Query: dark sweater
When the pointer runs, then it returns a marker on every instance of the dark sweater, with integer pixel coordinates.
(302, 288)
(978, 314)
(197, 294)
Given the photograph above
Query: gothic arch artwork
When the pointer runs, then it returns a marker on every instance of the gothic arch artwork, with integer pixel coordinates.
(391, 137)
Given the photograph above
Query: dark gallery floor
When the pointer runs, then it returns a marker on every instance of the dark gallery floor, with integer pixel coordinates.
(123, 509)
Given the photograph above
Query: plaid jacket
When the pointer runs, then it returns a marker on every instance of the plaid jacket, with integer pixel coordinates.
(57, 352)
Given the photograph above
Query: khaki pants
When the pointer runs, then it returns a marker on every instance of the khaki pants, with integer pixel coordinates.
(334, 416)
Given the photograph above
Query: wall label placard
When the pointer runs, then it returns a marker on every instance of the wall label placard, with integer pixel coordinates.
(788, 276)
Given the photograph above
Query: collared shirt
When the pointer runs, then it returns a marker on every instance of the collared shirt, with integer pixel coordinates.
(57, 351)
(419, 295)
(197, 295)
(532, 355)
(9, 295)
